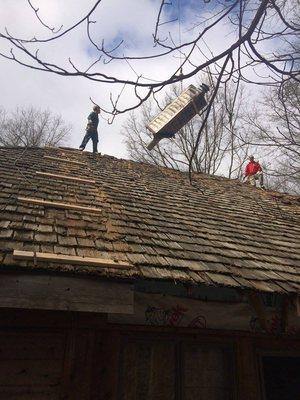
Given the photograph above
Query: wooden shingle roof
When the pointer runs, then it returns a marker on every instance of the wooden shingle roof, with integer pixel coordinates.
(216, 232)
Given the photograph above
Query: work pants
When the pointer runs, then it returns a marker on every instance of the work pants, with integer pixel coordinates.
(94, 137)
(256, 177)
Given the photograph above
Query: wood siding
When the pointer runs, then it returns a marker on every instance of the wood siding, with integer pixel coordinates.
(49, 292)
(31, 365)
(79, 356)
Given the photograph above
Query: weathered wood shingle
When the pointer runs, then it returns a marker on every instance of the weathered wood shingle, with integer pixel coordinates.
(215, 232)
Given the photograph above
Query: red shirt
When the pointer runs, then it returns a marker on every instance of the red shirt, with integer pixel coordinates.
(252, 168)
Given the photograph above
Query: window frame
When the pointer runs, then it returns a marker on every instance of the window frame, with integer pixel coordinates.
(179, 340)
(270, 353)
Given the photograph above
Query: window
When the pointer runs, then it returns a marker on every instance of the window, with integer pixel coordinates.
(280, 377)
(207, 372)
(148, 371)
(175, 370)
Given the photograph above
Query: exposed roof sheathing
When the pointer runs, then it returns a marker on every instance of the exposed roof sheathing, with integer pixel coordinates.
(216, 232)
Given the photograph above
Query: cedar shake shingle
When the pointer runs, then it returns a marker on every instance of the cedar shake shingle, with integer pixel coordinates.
(226, 234)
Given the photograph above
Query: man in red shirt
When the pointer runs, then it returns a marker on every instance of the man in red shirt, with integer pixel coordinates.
(253, 172)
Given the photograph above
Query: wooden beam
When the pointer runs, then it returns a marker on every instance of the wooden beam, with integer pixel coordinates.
(246, 369)
(67, 160)
(64, 259)
(54, 204)
(297, 305)
(54, 292)
(256, 302)
(21, 318)
(78, 373)
(108, 365)
(66, 177)
(285, 301)
(67, 149)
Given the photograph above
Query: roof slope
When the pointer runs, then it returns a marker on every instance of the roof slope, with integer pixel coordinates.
(216, 232)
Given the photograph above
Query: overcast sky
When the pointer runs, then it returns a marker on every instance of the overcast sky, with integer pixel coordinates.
(130, 20)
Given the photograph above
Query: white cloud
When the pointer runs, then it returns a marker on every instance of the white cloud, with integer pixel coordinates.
(133, 20)
(70, 96)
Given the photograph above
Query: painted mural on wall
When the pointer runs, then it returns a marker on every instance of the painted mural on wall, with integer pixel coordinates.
(162, 310)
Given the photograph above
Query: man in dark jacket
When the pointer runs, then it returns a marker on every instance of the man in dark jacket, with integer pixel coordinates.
(91, 130)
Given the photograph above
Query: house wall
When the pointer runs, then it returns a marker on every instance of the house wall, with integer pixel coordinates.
(45, 355)
(65, 355)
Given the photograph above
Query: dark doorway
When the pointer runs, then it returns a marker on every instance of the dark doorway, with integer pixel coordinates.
(281, 377)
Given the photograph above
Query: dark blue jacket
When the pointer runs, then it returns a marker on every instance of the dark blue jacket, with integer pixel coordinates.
(93, 121)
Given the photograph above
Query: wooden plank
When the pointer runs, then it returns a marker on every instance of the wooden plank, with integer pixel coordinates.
(31, 364)
(78, 373)
(256, 302)
(148, 370)
(27, 372)
(297, 305)
(67, 149)
(24, 318)
(162, 379)
(106, 378)
(247, 370)
(66, 177)
(64, 259)
(69, 359)
(284, 313)
(31, 374)
(67, 160)
(48, 292)
(29, 393)
(55, 204)
(31, 346)
(207, 371)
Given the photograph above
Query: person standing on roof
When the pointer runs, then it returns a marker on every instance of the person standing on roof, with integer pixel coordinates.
(253, 173)
(91, 130)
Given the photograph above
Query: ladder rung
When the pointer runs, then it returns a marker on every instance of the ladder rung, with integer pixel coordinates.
(64, 160)
(67, 177)
(64, 259)
(54, 204)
